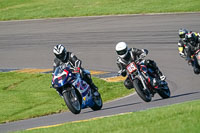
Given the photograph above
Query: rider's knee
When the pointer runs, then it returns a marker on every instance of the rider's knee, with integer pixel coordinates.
(128, 84)
(86, 76)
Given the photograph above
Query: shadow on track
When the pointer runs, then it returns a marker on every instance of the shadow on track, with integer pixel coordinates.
(113, 107)
(130, 104)
(179, 95)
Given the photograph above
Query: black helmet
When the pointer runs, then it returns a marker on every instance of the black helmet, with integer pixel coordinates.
(182, 33)
(60, 52)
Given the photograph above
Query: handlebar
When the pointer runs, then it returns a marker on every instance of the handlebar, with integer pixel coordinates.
(139, 60)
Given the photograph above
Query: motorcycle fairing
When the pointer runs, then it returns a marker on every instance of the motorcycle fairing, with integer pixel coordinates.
(61, 77)
(66, 77)
(85, 91)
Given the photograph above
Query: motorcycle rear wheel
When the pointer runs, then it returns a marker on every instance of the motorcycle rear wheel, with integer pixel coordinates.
(144, 94)
(164, 92)
(98, 103)
(72, 101)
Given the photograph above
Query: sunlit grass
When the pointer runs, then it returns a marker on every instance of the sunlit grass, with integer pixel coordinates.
(178, 118)
(30, 9)
(24, 95)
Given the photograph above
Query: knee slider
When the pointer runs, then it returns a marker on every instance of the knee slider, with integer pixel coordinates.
(128, 84)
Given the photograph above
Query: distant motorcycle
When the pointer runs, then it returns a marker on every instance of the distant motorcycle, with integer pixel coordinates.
(76, 92)
(197, 56)
(196, 59)
(141, 77)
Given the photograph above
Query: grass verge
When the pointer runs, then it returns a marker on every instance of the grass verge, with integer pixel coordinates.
(178, 118)
(25, 95)
(31, 9)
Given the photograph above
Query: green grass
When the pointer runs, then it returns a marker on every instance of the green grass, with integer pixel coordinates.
(178, 118)
(30, 9)
(24, 95)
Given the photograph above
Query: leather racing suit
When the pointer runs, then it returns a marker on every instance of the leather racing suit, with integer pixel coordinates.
(134, 54)
(191, 49)
(181, 47)
(75, 64)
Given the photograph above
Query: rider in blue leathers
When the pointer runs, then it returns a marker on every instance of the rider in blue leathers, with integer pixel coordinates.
(63, 56)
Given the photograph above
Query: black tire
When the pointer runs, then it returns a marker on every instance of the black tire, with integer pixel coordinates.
(144, 94)
(164, 92)
(72, 100)
(197, 60)
(98, 103)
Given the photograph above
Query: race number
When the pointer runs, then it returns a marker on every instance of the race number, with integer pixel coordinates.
(131, 67)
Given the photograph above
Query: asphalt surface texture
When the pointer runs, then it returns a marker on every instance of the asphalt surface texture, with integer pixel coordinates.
(29, 44)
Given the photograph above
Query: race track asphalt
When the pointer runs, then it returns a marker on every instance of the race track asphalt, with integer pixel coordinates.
(28, 44)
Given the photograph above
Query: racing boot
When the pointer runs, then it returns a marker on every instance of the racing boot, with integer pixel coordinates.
(155, 82)
(160, 75)
(153, 65)
(94, 90)
(88, 79)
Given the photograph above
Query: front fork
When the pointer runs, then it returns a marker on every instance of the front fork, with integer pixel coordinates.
(141, 78)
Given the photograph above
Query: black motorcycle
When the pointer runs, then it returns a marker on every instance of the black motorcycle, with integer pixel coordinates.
(142, 77)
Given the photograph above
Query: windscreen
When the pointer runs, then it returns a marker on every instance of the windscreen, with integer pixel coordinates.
(58, 71)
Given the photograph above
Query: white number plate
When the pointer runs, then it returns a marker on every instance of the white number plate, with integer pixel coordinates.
(131, 67)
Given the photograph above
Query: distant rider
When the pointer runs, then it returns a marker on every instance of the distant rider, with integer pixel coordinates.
(125, 55)
(193, 44)
(63, 56)
(182, 42)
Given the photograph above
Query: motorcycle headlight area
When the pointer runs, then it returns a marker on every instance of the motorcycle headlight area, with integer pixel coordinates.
(135, 73)
(61, 78)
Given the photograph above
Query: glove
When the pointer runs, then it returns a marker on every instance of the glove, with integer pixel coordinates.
(77, 70)
(122, 72)
(182, 54)
(144, 54)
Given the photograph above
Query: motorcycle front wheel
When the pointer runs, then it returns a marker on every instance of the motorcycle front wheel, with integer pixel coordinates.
(72, 100)
(144, 94)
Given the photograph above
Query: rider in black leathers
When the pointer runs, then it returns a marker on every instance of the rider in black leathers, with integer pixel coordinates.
(125, 55)
(63, 56)
(193, 44)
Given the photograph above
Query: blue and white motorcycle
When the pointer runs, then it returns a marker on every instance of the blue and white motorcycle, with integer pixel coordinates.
(76, 92)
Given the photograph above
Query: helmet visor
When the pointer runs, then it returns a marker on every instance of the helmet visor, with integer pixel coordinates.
(61, 56)
(182, 35)
(122, 52)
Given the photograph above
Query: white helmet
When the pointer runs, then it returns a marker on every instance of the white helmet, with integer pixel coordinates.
(60, 52)
(121, 49)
